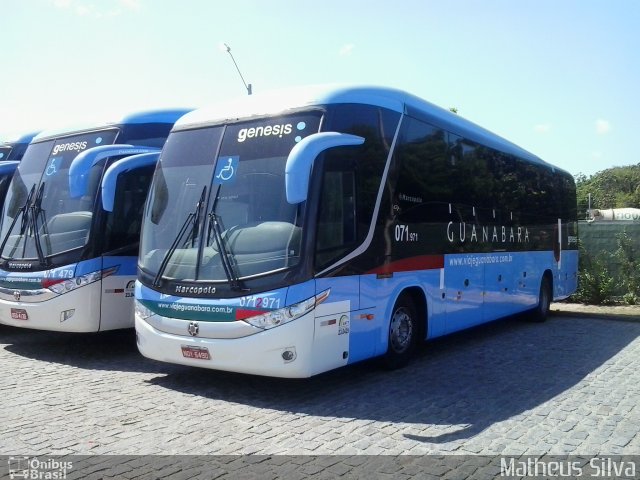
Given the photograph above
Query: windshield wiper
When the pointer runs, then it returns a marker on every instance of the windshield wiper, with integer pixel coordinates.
(23, 226)
(194, 219)
(25, 211)
(42, 214)
(225, 256)
(36, 211)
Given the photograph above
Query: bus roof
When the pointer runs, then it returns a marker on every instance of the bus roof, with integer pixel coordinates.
(150, 116)
(20, 140)
(282, 101)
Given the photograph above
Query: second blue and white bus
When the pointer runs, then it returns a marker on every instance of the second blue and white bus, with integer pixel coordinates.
(70, 226)
(293, 233)
(13, 150)
(11, 153)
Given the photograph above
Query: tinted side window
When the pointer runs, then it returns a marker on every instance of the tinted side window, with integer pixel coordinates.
(351, 180)
(336, 232)
(472, 182)
(510, 191)
(377, 126)
(423, 189)
(122, 232)
(569, 206)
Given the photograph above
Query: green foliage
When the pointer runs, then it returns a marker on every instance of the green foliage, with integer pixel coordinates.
(595, 284)
(617, 187)
(627, 258)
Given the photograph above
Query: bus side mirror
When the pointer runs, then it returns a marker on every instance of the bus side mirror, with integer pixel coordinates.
(300, 160)
(81, 165)
(110, 178)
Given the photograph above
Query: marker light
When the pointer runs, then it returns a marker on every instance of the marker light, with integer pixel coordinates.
(67, 314)
(284, 315)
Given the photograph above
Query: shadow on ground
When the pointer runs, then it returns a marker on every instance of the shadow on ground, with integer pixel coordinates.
(112, 350)
(472, 379)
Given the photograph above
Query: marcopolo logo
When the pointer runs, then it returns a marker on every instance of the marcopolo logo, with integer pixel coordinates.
(70, 146)
(271, 131)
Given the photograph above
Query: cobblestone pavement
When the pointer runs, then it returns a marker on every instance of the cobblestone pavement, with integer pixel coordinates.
(568, 386)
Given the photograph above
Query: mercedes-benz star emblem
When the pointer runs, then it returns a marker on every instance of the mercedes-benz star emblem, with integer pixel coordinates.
(193, 329)
(16, 295)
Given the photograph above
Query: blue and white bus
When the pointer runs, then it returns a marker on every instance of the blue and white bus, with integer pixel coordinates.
(11, 153)
(70, 227)
(13, 150)
(292, 233)
(7, 170)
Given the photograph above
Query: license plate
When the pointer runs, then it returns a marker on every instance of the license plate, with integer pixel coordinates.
(19, 314)
(198, 353)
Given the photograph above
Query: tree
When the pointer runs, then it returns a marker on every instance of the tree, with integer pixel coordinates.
(616, 187)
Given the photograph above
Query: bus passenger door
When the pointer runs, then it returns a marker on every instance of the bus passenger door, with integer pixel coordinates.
(340, 324)
(120, 242)
(116, 307)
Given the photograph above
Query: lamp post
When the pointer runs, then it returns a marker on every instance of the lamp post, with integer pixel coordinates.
(227, 48)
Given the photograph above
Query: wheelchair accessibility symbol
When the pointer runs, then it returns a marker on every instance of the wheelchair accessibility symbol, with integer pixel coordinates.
(226, 169)
(52, 168)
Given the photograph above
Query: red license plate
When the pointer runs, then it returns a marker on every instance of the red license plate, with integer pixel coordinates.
(19, 314)
(198, 353)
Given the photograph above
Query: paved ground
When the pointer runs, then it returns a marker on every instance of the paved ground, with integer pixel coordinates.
(568, 386)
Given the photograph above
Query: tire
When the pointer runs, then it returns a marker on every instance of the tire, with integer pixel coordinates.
(540, 313)
(403, 333)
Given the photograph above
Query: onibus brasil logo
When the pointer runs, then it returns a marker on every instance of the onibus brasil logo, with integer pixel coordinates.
(36, 469)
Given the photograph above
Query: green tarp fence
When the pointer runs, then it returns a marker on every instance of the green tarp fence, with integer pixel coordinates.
(601, 238)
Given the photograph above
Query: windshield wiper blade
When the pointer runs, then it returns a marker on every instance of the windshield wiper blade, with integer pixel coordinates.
(23, 226)
(196, 220)
(225, 256)
(36, 209)
(25, 211)
(193, 216)
(214, 225)
(42, 214)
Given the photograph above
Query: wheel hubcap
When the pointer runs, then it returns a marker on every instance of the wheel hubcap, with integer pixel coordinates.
(401, 330)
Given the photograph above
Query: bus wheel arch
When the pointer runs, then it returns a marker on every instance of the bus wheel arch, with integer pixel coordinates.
(407, 327)
(545, 297)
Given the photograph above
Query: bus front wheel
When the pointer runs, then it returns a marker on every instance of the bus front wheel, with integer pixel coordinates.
(403, 333)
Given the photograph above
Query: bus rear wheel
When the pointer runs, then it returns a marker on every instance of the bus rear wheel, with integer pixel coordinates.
(540, 313)
(403, 333)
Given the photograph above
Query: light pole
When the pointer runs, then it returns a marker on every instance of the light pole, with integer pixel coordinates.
(227, 48)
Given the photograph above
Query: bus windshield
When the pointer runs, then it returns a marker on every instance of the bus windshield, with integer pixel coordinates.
(217, 209)
(40, 218)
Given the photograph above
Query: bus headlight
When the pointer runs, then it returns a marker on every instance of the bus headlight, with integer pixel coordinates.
(61, 285)
(284, 315)
(142, 311)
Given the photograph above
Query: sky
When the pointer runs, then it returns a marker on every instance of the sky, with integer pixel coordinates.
(560, 78)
